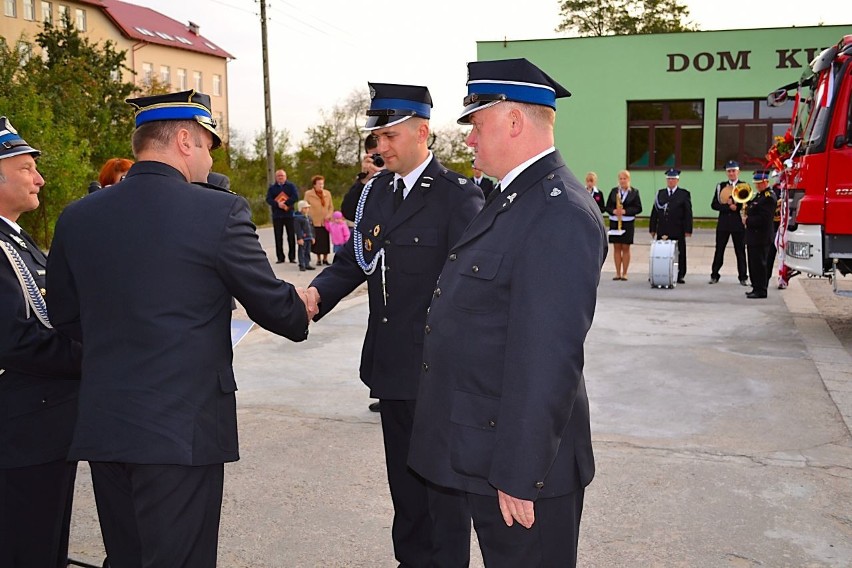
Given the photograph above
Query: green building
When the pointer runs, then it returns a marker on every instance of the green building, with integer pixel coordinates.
(692, 101)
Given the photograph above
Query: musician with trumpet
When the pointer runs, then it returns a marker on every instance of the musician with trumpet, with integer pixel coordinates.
(730, 223)
(759, 233)
(622, 205)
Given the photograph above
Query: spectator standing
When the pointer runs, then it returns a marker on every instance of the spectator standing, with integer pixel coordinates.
(482, 182)
(322, 207)
(592, 188)
(369, 168)
(622, 205)
(157, 416)
(338, 230)
(39, 381)
(282, 197)
(304, 234)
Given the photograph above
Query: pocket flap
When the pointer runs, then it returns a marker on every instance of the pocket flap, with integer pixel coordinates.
(481, 264)
(474, 410)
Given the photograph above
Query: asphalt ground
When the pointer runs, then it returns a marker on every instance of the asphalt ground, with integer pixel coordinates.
(721, 429)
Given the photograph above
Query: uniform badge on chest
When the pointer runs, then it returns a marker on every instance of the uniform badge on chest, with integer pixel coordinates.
(368, 245)
(376, 230)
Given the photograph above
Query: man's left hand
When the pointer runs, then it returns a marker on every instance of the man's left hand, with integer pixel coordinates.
(514, 509)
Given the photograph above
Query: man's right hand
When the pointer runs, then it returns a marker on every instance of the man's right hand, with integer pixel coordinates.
(369, 168)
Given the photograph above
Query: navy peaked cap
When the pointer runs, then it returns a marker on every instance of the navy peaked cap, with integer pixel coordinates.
(391, 104)
(489, 82)
(732, 165)
(673, 173)
(761, 175)
(11, 143)
(184, 105)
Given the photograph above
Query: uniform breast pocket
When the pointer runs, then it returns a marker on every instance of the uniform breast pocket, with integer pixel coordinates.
(417, 248)
(477, 289)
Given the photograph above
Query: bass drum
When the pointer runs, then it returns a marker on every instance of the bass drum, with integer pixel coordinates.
(662, 272)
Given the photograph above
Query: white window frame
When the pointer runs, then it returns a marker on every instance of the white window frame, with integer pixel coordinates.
(181, 78)
(10, 8)
(29, 10)
(166, 75)
(198, 81)
(80, 19)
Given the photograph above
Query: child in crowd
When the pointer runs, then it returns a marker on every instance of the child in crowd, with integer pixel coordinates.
(339, 231)
(304, 234)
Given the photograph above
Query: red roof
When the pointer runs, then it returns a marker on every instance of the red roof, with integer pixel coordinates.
(150, 26)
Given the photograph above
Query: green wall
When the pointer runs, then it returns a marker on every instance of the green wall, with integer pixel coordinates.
(603, 73)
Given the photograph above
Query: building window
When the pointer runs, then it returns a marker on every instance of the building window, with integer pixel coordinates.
(25, 51)
(47, 12)
(62, 16)
(10, 8)
(745, 130)
(181, 79)
(664, 134)
(196, 80)
(166, 75)
(80, 19)
(29, 10)
(217, 85)
(147, 72)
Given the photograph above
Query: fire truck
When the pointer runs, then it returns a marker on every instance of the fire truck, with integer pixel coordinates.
(814, 164)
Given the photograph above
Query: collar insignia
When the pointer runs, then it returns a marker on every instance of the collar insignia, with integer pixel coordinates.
(554, 192)
(21, 242)
(511, 198)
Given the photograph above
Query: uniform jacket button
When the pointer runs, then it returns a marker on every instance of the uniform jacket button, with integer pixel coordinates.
(384, 320)
(453, 257)
(416, 239)
(437, 292)
(492, 423)
(475, 269)
(425, 366)
(387, 241)
(428, 329)
(539, 484)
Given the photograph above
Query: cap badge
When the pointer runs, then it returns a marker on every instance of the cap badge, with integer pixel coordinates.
(372, 93)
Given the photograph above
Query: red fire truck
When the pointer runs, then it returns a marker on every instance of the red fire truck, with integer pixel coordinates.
(814, 161)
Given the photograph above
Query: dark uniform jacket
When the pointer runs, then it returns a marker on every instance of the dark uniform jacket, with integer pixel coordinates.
(729, 220)
(416, 239)
(38, 390)
(632, 203)
(671, 216)
(145, 271)
(290, 191)
(760, 230)
(485, 184)
(502, 401)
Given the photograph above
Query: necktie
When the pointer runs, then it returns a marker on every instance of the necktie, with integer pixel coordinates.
(670, 193)
(493, 195)
(397, 194)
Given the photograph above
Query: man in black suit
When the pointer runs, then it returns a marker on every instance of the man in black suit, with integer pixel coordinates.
(482, 182)
(759, 234)
(39, 379)
(408, 218)
(369, 168)
(730, 224)
(502, 412)
(671, 217)
(145, 274)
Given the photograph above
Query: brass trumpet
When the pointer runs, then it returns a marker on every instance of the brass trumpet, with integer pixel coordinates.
(742, 193)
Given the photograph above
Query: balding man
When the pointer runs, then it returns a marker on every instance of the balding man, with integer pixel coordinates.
(282, 197)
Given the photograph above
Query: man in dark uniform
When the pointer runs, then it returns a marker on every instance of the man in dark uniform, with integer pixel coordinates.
(482, 182)
(502, 412)
(407, 219)
(282, 197)
(39, 379)
(759, 234)
(671, 217)
(146, 274)
(729, 225)
(776, 224)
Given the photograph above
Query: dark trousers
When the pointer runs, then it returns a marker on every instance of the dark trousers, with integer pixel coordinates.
(770, 256)
(431, 525)
(278, 226)
(739, 250)
(757, 257)
(305, 253)
(681, 257)
(550, 542)
(35, 514)
(159, 516)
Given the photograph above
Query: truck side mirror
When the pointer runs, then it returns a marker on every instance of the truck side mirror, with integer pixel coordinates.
(839, 141)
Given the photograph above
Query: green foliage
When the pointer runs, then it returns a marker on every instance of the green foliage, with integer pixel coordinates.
(450, 149)
(623, 17)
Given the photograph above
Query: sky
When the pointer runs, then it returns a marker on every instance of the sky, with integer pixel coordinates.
(321, 51)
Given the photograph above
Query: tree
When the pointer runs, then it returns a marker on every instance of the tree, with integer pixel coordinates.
(623, 17)
(450, 149)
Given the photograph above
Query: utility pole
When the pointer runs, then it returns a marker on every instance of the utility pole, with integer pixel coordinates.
(267, 103)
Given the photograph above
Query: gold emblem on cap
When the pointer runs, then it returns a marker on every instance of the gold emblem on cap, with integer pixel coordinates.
(368, 245)
(376, 230)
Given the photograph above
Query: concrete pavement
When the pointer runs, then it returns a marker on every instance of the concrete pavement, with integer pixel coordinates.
(721, 430)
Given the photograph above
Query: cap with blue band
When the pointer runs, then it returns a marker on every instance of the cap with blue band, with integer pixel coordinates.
(490, 82)
(184, 105)
(391, 104)
(11, 143)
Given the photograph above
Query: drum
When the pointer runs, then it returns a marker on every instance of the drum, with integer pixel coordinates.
(662, 271)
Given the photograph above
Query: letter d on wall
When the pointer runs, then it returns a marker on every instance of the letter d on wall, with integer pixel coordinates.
(677, 62)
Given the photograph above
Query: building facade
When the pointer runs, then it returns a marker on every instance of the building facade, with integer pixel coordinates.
(692, 101)
(157, 47)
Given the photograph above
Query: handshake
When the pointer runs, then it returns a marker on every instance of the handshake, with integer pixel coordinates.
(311, 298)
